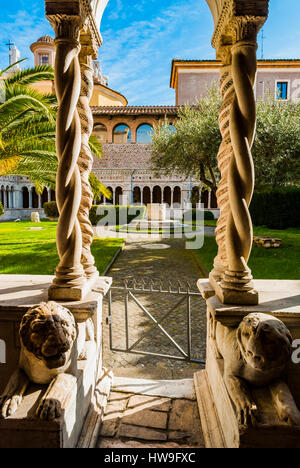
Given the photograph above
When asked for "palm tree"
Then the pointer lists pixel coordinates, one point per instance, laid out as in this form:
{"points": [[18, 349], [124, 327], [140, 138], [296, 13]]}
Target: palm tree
{"points": [[27, 128]]}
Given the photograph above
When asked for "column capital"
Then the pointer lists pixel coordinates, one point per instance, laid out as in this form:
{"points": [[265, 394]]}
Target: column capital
{"points": [[235, 21], [76, 19]]}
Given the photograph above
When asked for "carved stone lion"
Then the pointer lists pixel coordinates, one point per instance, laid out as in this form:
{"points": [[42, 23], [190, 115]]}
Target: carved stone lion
{"points": [[257, 353], [48, 356]]}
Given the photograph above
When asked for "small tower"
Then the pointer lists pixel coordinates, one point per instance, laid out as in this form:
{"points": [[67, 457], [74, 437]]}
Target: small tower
{"points": [[98, 77], [44, 51], [14, 56]]}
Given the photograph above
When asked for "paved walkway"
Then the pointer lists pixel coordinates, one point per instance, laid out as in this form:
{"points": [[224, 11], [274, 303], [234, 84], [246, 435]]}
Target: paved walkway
{"points": [[142, 421], [174, 264]]}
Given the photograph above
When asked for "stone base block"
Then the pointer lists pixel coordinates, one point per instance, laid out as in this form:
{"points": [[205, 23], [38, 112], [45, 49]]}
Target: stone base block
{"points": [[235, 296], [219, 421], [25, 430], [78, 293]]}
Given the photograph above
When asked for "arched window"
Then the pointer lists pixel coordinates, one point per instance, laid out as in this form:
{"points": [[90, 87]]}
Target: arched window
{"points": [[12, 191], [122, 134], [7, 197], [144, 134], [168, 196], [119, 193], [195, 196], [157, 194], [100, 131], [177, 196], [2, 195], [44, 196], [146, 196], [111, 200], [137, 195], [25, 194], [53, 198], [43, 59], [35, 199]]}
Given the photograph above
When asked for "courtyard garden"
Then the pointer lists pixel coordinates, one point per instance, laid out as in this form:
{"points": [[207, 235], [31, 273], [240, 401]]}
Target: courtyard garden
{"points": [[30, 249], [280, 263]]}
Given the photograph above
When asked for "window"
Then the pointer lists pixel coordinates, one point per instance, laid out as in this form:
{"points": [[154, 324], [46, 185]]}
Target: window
{"points": [[144, 134], [43, 59], [282, 90], [122, 134], [100, 132]]}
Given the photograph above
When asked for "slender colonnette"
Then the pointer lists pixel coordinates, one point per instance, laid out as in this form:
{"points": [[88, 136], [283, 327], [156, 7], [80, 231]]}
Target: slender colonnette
{"points": [[69, 273], [224, 158], [85, 163], [241, 169]]}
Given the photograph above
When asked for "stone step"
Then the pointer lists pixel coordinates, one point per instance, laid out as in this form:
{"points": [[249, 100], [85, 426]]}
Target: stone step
{"points": [[155, 373], [174, 389]]}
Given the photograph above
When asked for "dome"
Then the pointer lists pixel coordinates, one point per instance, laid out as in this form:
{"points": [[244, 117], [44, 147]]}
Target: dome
{"points": [[47, 39]]}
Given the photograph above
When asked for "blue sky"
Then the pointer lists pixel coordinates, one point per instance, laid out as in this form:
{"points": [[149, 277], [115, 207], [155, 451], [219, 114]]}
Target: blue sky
{"points": [[141, 37]]}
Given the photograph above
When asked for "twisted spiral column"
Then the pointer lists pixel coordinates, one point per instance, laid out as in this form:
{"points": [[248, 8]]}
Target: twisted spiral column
{"points": [[69, 272], [239, 233], [85, 164], [224, 156]]}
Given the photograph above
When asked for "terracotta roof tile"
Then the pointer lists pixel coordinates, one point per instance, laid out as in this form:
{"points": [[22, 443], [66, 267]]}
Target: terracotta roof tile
{"points": [[135, 110]]}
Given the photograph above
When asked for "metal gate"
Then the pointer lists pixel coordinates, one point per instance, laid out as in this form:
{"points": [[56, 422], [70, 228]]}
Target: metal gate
{"points": [[130, 289]]}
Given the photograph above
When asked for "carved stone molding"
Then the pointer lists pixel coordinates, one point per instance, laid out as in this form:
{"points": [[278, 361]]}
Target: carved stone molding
{"points": [[66, 14], [236, 20]]}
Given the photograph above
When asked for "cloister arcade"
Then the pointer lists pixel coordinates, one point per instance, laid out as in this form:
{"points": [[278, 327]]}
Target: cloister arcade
{"points": [[122, 133], [20, 197], [172, 196]]}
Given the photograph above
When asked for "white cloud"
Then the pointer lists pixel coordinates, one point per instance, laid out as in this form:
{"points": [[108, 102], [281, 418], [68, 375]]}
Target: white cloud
{"points": [[137, 57], [23, 28]]}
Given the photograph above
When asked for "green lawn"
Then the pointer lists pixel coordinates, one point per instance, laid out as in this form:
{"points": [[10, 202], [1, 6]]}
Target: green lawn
{"points": [[282, 263], [33, 252]]}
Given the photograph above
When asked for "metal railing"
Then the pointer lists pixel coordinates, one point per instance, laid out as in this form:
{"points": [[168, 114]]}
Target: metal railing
{"points": [[143, 285]]}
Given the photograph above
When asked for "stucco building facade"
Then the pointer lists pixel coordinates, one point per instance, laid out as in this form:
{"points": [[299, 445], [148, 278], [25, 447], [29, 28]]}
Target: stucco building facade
{"points": [[276, 79]]}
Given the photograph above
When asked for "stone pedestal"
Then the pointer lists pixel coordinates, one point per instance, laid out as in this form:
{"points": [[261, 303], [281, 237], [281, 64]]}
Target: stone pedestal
{"points": [[156, 212], [17, 295], [280, 299]]}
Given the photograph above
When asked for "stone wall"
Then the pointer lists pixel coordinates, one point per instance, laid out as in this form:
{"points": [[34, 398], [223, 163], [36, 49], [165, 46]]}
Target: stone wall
{"points": [[124, 156]]}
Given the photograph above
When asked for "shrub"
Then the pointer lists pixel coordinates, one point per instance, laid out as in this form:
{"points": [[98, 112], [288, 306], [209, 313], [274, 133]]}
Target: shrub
{"points": [[208, 215], [119, 214], [276, 208], [1, 209], [51, 210]]}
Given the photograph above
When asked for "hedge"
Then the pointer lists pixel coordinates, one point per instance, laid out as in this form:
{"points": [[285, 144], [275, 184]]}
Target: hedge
{"points": [[277, 208], [1, 209], [208, 215], [51, 210], [119, 214]]}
